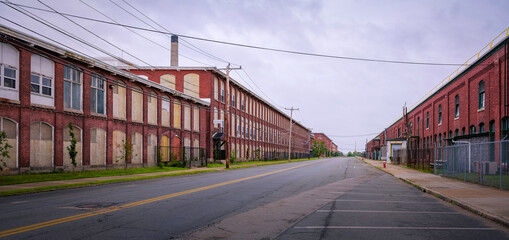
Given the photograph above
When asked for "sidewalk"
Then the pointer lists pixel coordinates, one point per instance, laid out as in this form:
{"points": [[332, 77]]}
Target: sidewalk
{"points": [[488, 202]]}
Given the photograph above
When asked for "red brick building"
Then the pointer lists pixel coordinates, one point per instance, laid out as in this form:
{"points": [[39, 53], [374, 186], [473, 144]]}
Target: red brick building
{"points": [[258, 129], [472, 106], [321, 137], [43, 88]]}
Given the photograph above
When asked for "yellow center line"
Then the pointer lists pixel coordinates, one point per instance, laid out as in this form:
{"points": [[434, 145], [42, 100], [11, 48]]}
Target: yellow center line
{"points": [[133, 204]]}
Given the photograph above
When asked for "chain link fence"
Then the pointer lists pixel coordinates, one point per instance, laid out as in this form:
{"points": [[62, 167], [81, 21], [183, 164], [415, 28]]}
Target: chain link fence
{"points": [[483, 163]]}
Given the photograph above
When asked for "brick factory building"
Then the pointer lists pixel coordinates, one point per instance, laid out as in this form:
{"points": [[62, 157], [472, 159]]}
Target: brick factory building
{"points": [[43, 88], [472, 105], [258, 130]]}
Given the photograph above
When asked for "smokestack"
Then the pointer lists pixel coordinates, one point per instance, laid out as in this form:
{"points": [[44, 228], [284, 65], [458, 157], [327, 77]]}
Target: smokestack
{"points": [[174, 56]]}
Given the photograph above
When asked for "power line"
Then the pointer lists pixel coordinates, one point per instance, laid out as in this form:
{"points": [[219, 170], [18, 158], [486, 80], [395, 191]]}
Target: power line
{"points": [[360, 135], [258, 47], [91, 32], [150, 40], [197, 49]]}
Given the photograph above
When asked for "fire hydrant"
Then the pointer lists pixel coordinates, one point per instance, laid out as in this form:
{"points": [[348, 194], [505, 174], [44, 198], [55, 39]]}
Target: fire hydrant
{"points": [[383, 163]]}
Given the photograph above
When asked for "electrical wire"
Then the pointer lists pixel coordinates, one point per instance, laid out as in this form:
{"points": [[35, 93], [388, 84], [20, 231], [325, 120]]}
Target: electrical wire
{"points": [[260, 47], [93, 33], [148, 39], [197, 49], [360, 135]]}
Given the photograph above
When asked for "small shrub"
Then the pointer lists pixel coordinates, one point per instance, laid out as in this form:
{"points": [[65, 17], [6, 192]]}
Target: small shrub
{"points": [[4, 150]]}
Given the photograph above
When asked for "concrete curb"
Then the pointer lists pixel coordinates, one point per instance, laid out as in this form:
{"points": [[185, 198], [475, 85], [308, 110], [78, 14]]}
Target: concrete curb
{"points": [[451, 200]]}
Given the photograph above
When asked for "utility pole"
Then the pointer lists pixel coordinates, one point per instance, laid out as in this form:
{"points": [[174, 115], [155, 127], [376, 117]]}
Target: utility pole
{"points": [[227, 114], [290, 138]]}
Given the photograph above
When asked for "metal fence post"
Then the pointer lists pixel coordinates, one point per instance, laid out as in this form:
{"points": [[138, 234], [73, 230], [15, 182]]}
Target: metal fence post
{"points": [[500, 164]]}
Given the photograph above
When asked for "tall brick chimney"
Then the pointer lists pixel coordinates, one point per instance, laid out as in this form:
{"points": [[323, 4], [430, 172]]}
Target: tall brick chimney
{"points": [[174, 55]]}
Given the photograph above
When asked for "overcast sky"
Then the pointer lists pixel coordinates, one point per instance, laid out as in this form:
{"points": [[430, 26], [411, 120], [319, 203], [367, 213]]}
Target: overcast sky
{"points": [[337, 97]]}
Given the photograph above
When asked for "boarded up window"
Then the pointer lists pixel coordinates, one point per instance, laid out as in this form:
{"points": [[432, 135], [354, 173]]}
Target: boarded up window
{"points": [[192, 85], [151, 149], [176, 114], [152, 108], [119, 100], [10, 129], [196, 119], [97, 147], [118, 141], [41, 145], [216, 92], [168, 81], [137, 142], [187, 117], [67, 142], [137, 105]]}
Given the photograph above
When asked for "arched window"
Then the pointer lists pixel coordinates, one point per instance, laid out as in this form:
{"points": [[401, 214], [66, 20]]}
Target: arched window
{"points": [[97, 147], [481, 94], [151, 149], [481, 127], [168, 81], [11, 131], [463, 131], [439, 114], [457, 106], [118, 143], [67, 142], [457, 132], [41, 145], [192, 85], [472, 129], [137, 150]]}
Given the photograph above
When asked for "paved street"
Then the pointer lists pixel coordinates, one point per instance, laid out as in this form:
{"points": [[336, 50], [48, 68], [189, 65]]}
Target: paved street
{"points": [[321, 199]]}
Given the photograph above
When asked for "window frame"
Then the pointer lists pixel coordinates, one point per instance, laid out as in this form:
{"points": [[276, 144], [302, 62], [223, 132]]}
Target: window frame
{"points": [[74, 82], [482, 94], [439, 114], [457, 106], [95, 78]]}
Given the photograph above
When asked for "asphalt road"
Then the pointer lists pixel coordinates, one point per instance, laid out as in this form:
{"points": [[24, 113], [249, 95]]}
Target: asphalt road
{"points": [[339, 198]]}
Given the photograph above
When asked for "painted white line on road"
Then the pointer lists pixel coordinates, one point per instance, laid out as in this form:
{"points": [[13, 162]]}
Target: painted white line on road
{"points": [[19, 202], [375, 201], [397, 228], [396, 195], [382, 211]]}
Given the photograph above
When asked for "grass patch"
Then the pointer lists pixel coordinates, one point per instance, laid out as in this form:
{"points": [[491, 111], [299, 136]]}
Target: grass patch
{"points": [[259, 163], [92, 183], [57, 176]]}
